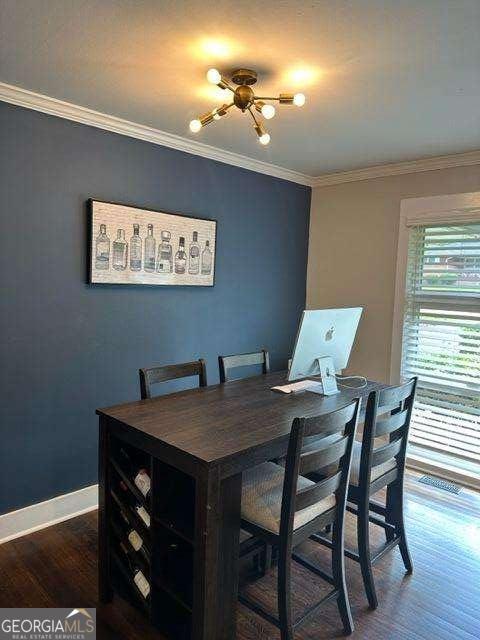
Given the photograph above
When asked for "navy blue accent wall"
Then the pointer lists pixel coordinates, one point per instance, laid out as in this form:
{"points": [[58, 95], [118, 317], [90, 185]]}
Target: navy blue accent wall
{"points": [[68, 347]]}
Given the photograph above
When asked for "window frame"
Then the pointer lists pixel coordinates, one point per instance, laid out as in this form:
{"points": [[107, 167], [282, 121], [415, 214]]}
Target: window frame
{"points": [[460, 207]]}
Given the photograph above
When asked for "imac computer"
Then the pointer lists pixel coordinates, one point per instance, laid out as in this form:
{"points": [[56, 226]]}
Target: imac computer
{"points": [[322, 348]]}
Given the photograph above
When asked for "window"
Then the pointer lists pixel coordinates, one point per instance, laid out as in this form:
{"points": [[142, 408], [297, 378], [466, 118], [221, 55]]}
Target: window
{"points": [[441, 337], [436, 331]]}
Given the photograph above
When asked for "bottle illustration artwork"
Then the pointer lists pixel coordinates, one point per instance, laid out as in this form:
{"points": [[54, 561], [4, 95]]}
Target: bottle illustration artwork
{"points": [[136, 249], [149, 256], [165, 254], [194, 255], [180, 257], [120, 251], [102, 249], [206, 259]]}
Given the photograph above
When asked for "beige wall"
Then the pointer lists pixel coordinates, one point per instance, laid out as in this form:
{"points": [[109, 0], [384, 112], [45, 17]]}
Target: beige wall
{"points": [[353, 251]]}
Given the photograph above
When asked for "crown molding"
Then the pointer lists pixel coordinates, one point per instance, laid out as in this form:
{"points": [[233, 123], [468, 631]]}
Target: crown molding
{"points": [[52, 106], [398, 168]]}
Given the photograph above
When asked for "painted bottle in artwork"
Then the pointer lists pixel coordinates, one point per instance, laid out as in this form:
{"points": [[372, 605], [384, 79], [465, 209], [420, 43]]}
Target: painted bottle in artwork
{"points": [[180, 257], [120, 251], [149, 256], [206, 259], [165, 254], [194, 255], [102, 249], [135, 249]]}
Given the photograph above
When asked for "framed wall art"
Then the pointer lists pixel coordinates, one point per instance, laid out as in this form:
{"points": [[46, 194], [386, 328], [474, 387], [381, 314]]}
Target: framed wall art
{"points": [[129, 245]]}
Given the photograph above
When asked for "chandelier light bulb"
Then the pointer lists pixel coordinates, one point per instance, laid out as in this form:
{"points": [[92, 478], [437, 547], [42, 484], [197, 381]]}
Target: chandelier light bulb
{"points": [[299, 99], [216, 115], [213, 76], [263, 136], [195, 126], [268, 111]]}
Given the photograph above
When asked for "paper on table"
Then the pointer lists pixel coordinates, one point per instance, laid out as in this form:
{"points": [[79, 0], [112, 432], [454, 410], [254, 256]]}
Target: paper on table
{"points": [[303, 385]]}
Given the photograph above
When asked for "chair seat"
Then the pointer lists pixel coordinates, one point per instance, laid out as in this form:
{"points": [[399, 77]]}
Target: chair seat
{"points": [[375, 473], [262, 498]]}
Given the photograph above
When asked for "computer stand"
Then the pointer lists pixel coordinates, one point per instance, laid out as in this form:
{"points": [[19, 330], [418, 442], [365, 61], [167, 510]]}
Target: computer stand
{"points": [[327, 375], [326, 387]]}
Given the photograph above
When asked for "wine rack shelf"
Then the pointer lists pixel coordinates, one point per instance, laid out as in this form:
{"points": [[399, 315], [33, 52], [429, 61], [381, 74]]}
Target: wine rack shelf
{"points": [[132, 488], [121, 582], [179, 529], [150, 540]]}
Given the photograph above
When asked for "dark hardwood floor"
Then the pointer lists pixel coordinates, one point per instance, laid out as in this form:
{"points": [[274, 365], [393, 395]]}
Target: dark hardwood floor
{"points": [[56, 567]]}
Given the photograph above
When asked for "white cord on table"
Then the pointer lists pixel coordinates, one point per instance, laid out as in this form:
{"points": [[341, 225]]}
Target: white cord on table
{"points": [[350, 386]]}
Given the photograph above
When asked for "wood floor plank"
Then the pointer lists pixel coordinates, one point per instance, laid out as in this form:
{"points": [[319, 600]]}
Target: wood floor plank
{"points": [[56, 567]]}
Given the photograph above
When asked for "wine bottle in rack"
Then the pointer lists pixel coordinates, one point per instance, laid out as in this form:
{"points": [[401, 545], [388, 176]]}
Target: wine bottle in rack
{"points": [[138, 508], [131, 534], [139, 579], [139, 475]]}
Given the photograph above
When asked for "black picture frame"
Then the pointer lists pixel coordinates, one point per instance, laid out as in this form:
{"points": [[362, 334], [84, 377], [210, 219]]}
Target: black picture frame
{"points": [[98, 214]]}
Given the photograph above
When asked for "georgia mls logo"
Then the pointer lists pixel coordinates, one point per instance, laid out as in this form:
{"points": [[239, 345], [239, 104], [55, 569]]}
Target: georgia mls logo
{"points": [[47, 624], [84, 612]]}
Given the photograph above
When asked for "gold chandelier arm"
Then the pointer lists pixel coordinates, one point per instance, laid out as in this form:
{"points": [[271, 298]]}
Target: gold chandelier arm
{"points": [[219, 112], [253, 116], [224, 84], [265, 98]]}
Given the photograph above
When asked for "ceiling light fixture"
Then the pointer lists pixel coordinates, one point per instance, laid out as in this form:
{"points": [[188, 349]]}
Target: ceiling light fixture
{"points": [[245, 99]]}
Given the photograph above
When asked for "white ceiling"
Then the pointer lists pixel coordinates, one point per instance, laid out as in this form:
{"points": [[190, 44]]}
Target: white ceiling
{"points": [[385, 80]]}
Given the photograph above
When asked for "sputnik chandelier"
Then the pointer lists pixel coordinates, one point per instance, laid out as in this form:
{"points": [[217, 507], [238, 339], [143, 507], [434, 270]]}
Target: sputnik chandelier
{"points": [[245, 99]]}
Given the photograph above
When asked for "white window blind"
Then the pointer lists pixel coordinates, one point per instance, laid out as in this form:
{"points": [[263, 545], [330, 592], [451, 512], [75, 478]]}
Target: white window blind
{"points": [[441, 337]]}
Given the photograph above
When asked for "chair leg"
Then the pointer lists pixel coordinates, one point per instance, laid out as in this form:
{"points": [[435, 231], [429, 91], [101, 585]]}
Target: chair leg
{"points": [[268, 558], [258, 564], [274, 556], [397, 505], [284, 594], [390, 515], [364, 552], [338, 572]]}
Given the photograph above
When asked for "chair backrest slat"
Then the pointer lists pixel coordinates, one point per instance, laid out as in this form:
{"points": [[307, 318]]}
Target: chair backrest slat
{"points": [[397, 403], [384, 426], [165, 373], [227, 363], [319, 458], [386, 452], [392, 396], [311, 495], [331, 422]]}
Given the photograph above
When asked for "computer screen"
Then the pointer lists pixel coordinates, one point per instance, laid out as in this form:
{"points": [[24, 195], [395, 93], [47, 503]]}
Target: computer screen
{"points": [[323, 332]]}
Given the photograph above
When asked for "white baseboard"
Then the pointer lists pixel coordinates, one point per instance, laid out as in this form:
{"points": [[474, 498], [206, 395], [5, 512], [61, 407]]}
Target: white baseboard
{"points": [[453, 474], [44, 514]]}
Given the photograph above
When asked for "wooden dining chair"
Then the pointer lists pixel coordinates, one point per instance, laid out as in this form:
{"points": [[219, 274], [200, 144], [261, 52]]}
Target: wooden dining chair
{"points": [[249, 545], [227, 363], [284, 508], [165, 373], [376, 465]]}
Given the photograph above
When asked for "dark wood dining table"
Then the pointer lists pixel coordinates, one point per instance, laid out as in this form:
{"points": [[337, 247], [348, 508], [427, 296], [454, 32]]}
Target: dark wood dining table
{"points": [[212, 434]]}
